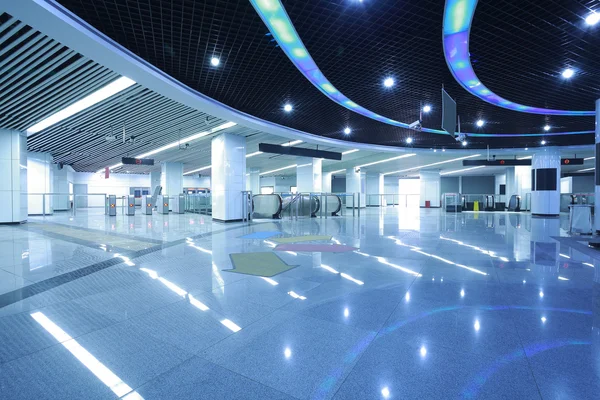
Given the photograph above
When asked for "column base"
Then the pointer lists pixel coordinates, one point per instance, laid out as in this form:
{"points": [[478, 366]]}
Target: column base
{"points": [[545, 215], [13, 223], [227, 221]]}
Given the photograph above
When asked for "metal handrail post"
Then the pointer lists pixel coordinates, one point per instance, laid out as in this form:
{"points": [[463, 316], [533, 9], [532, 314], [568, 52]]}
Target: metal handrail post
{"points": [[358, 196], [321, 203], [74, 211], [353, 205], [325, 206], [44, 205]]}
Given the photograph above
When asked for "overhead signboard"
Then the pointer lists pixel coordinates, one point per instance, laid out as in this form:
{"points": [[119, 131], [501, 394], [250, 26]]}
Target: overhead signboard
{"points": [[137, 161], [298, 151]]}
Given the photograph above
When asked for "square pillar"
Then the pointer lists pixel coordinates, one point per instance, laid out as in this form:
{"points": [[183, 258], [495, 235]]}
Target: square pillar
{"points": [[431, 188], [40, 179], [253, 181], [13, 180], [154, 180], [356, 182], [374, 186], [308, 175], [228, 179], [171, 178], [326, 185]]}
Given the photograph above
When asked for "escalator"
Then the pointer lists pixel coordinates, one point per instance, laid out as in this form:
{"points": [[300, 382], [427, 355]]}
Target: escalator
{"points": [[275, 206]]}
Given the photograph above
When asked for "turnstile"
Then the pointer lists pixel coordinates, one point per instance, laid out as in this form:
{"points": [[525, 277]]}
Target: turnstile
{"points": [[147, 204], [179, 204], [110, 208], [162, 204], [130, 205]]}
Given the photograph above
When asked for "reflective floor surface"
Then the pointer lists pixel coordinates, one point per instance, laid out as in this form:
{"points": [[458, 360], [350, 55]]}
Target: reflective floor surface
{"points": [[397, 304]]}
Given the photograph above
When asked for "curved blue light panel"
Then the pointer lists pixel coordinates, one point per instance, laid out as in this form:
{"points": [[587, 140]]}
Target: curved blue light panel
{"points": [[277, 20], [458, 17]]}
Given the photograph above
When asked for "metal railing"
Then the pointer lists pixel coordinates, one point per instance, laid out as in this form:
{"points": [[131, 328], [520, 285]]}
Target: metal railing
{"points": [[567, 199], [71, 200], [247, 209], [198, 203]]}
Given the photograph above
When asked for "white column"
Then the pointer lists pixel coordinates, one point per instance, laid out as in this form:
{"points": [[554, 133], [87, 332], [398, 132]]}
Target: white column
{"points": [[545, 196], [431, 186], [356, 183], [374, 186], [510, 183], [154, 179], [253, 181], [326, 185], [459, 184], [13, 179], [499, 180], [597, 188], [61, 185], [308, 175], [40, 179], [171, 178], [228, 180]]}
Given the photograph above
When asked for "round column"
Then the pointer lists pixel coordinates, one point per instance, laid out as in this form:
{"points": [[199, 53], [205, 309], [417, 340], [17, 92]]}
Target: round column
{"points": [[545, 182]]}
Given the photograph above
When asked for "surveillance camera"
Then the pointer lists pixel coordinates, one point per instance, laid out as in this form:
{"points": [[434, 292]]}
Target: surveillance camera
{"points": [[357, 170], [415, 125], [461, 137]]}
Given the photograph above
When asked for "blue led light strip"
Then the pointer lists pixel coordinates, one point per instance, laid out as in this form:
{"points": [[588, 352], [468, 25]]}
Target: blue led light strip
{"points": [[458, 17], [276, 19]]}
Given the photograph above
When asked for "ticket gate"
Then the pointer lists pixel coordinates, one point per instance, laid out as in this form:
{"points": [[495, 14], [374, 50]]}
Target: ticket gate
{"points": [[179, 204], [147, 205], [130, 205], [162, 204], [110, 208]]}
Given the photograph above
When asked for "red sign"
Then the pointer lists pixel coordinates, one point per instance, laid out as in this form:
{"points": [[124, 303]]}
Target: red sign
{"points": [[502, 162], [567, 161], [106, 173]]}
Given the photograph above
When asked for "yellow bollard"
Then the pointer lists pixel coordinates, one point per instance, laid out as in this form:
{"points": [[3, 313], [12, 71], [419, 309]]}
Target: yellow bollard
{"points": [[476, 206]]}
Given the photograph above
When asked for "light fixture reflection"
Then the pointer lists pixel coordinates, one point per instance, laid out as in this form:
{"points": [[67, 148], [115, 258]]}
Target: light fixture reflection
{"points": [[271, 281], [346, 312], [477, 326], [346, 276], [100, 370], [231, 325], [544, 319], [462, 293], [385, 392], [296, 295], [541, 294], [423, 351], [287, 352]]}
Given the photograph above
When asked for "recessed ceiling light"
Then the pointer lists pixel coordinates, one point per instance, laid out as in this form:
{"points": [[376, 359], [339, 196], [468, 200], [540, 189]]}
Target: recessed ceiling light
{"points": [[409, 140], [347, 130], [547, 128], [287, 107], [568, 73], [215, 61], [427, 108], [480, 123], [464, 143], [389, 82], [543, 142], [592, 19]]}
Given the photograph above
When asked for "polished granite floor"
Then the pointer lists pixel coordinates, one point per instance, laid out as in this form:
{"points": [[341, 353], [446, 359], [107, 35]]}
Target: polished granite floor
{"points": [[429, 305]]}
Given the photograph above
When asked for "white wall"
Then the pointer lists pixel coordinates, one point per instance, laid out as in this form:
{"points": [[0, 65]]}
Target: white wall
{"points": [[279, 183], [117, 184], [356, 183], [193, 181], [62, 178], [499, 180]]}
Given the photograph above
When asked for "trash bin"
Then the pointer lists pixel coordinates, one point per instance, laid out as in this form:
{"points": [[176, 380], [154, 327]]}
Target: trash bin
{"points": [[427, 204]]}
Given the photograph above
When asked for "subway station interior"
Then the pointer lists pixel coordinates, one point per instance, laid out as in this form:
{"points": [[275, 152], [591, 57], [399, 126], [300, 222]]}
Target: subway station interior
{"points": [[286, 199]]}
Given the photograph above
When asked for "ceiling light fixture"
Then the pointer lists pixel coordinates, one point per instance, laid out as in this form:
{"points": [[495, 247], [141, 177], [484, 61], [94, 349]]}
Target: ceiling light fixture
{"points": [[568, 73], [288, 107], [464, 143], [592, 19], [388, 82], [589, 158], [347, 130], [177, 143], [387, 160], [198, 170], [349, 152], [292, 143], [586, 169], [547, 128], [432, 164], [409, 140], [214, 61], [462, 170], [480, 123], [337, 171], [253, 154], [427, 108], [278, 169], [543, 142], [101, 94], [525, 158]]}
